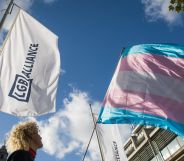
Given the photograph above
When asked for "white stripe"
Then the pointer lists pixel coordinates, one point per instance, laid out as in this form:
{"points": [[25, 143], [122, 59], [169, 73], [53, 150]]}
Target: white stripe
{"points": [[152, 84]]}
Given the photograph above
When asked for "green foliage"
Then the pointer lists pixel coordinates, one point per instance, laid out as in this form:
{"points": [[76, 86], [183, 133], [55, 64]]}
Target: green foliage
{"points": [[176, 5]]}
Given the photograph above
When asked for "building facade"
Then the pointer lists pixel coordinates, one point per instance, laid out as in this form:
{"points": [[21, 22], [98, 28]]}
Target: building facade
{"points": [[149, 143]]}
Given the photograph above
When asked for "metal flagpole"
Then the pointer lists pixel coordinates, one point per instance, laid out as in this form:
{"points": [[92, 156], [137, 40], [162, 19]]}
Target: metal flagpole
{"points": [[5, 14], [9, 32], [95, 123], [89, 143]]}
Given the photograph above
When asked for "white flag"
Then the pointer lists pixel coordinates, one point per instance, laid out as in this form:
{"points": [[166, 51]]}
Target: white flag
{"points": [[29, 68], [110, 142]]}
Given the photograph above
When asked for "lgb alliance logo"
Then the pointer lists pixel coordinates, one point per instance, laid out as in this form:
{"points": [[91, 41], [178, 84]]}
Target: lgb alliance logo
{"points": [[21, 88]]}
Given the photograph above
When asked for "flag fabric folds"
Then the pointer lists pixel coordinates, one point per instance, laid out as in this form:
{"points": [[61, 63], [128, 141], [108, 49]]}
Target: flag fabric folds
{"points": [[147, 88], [110, 142], [29, 68]]}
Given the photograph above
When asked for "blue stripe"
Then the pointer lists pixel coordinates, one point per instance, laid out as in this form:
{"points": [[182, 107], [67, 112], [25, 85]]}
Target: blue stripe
{"points": [[121, 116], [169, 50]]}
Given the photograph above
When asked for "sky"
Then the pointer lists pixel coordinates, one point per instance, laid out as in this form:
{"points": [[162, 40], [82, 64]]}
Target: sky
{"points": [[91, 37]]}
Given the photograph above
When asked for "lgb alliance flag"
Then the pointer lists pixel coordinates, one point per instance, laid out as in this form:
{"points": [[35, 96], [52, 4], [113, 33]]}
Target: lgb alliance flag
{"points": [[29, 68], [110, 142], [147, 88]]}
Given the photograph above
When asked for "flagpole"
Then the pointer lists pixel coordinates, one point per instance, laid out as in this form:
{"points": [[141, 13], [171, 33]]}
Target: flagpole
{"points": [[95, 123], [89, 143], [9, 32], [5, 14]]}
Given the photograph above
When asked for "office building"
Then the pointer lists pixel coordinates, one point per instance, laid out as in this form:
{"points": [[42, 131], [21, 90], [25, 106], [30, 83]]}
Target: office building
{"points": [[149, 143]]}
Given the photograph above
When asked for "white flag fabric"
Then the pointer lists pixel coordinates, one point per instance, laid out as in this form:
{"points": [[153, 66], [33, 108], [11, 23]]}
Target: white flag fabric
{"points": [[110, 142], [29, 68]]}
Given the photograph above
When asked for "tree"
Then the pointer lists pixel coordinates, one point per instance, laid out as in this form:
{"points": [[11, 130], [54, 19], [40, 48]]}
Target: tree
{"points": [[176, 5]]}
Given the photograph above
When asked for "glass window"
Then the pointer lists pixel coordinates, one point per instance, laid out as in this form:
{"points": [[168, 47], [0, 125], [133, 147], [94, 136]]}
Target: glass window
{"points": [[156, 158], [180, 140], [173, 146], [140, 137], [165, 153]]}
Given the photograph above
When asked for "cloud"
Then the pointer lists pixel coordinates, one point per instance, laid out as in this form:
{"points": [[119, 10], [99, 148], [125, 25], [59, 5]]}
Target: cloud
{"points": [[2, 5], [158, 10], [69, 129], [25, 4], [62, 71], [49, 1]]}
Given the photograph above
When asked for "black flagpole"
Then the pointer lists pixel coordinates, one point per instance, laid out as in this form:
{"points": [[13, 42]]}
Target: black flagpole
{"points": [[5, 14]]}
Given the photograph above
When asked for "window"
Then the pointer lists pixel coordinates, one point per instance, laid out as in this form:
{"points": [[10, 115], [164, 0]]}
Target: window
{"points": [[165, 153], [173, 146], [156, 158], [180, 140], [140, 137], [129, 149]]}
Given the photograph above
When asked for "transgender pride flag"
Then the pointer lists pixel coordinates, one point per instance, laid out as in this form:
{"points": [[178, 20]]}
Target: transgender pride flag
{"points": [[147, 88]]}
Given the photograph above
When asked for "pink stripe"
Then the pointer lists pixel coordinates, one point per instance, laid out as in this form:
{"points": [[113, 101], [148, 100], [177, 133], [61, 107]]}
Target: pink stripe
{"points": [[168, 66], [146, 103]]}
